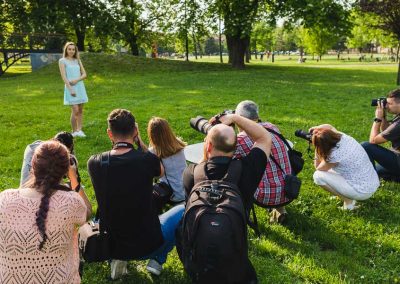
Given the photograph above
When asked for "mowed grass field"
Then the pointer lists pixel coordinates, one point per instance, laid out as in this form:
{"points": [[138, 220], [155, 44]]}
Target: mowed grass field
{"points": [[318, 243]]}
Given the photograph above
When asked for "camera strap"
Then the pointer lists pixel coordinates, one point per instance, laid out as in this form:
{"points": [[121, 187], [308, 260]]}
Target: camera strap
{"points": [[122, 145]]}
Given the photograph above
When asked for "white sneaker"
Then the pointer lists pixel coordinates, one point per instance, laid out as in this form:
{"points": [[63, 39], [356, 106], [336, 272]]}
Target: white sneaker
{"points": [[349, 207], [80, 133], [74, 134], [154, 267], [118, 268]]}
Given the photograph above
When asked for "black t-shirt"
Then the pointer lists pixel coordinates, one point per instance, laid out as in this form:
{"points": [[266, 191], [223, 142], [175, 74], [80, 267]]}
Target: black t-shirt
{"points": [[253, 167], [392, 133], [133, 223]]}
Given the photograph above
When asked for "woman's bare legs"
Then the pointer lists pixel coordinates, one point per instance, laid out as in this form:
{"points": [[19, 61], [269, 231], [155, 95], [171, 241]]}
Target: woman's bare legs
{"points": [[79, 118], [76, 117], [74, 111]]}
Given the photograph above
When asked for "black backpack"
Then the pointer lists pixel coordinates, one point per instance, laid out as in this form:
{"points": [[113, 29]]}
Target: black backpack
{"points": [[214, 232]]}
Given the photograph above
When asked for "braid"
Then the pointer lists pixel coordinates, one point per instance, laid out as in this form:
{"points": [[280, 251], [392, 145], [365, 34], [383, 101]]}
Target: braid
{"points": [[49, 164], [41, 216]]}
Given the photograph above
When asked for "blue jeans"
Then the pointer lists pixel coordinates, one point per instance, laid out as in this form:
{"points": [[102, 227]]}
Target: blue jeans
{"points": [[169, 222], [388, 165]]}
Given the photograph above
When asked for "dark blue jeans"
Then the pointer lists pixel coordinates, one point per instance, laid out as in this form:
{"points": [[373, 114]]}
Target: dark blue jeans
{"points": [[387, 161]]}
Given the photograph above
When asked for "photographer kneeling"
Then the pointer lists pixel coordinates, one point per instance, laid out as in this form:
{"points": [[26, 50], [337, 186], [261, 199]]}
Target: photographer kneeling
{"points": [[342, 166], [388, 160]]}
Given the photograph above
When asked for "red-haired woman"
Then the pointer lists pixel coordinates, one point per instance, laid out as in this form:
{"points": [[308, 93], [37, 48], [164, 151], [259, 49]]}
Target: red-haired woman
{"points": [[342, 166], [38, 222]]}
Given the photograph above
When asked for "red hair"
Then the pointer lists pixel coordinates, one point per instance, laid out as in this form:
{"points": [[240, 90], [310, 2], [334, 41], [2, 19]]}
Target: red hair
{"points": [[324, 140]]}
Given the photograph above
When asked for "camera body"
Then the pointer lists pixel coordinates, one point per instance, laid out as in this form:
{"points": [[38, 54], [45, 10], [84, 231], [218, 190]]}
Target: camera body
{"points": [[374, 102], [303, 134], [202, 125]]}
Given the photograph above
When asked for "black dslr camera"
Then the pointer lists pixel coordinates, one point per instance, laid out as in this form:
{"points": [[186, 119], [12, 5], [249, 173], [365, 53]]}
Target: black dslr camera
{"points": [[374, 102], [303, 134], [202, 125]]}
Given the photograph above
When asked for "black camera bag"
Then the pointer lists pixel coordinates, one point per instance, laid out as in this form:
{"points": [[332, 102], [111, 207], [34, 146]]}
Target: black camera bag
{"points": [[292, 182], [295, 157], [97, 247]]}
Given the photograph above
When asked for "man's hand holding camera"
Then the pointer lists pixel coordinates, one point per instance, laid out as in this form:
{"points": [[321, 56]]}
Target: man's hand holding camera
{"points": [[380, 112]]}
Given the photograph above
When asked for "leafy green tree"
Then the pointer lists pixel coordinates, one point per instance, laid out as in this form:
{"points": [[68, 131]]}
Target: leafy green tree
{"points": [[319, 40], [136, 19], [388, 13], [211, 46]]}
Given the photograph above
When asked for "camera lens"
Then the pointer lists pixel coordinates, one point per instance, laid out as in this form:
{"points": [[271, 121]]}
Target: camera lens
{"points": [[200, 124], [303, 134]]}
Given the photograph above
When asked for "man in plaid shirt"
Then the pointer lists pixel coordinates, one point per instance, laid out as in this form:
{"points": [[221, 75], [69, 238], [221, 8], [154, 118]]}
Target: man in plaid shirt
{"points": [[270, 192]]}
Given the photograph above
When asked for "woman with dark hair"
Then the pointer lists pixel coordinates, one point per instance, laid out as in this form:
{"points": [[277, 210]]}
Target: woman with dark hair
{"points": [[63, 137], [169, 149], [342, 166], [38, 221], [73, 74]]}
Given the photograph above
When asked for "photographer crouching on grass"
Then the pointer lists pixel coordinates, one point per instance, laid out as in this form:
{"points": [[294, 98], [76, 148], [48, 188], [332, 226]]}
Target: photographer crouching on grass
{"points": [[342, 166], [382, 130], [270, 192], [213, 246]]}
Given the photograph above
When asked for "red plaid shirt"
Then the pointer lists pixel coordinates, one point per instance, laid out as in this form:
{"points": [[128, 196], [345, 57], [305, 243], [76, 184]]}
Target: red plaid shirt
{"points": [[270, 191]]}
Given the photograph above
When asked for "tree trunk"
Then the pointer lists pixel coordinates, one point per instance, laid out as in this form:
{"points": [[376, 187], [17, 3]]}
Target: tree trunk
{"points": [[80, 43], [247, 53], [272, 56], [220, 41], [237, 49], [397, 54], [134, 45], [187, 47], [229, 45], [301, 54], [398, 75], [195, 46]]}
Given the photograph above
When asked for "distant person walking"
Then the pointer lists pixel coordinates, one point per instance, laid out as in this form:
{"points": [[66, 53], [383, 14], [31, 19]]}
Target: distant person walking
{"points": [[73, 74]]}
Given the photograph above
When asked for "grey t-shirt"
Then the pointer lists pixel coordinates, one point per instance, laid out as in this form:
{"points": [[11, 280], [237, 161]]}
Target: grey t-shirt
{"points": [[392, 134], [174, 166], [26, 164]]}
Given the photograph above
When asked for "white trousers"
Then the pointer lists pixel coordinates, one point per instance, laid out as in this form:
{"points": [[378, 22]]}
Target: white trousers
{"points": [[339, 184]]}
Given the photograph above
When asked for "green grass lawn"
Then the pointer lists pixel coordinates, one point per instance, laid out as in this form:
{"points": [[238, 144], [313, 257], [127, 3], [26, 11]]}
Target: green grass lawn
{"points": [[319, 243]]}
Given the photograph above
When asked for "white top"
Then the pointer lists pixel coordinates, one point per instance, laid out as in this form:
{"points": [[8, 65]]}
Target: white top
{"points": [[354, 165]]}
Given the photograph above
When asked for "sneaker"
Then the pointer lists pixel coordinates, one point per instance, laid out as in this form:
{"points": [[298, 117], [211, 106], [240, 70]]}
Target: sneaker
{"points": [[118, 268], [349, 207], [80, 133], [74, 134], [278, 217], [154, 267]]}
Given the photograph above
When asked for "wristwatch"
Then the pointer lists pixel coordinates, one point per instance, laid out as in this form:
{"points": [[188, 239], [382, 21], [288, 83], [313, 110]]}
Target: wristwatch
{"points": [[377, 119]]}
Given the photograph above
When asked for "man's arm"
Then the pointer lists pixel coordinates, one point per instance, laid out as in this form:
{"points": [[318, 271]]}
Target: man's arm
{"points": [[257, 133], [374, 136]]}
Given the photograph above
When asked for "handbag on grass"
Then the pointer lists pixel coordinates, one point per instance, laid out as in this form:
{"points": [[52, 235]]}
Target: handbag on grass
{"points": [[93, 237], [162, 193]]}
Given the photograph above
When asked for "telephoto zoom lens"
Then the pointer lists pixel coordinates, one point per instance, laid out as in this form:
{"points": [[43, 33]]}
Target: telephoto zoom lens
{"points": [[200, 124]]}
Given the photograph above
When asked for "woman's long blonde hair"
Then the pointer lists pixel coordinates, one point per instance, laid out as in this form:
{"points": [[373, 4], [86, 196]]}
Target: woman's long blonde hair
{"points": [[163, 139], [76, 54]]}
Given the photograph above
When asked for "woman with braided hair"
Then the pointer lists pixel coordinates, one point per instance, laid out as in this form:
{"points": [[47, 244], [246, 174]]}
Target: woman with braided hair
{"points": [[38, 240]]}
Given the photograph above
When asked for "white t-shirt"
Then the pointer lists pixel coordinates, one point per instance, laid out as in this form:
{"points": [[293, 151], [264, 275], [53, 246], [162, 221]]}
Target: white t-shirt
{"points": [[354, 165]]}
